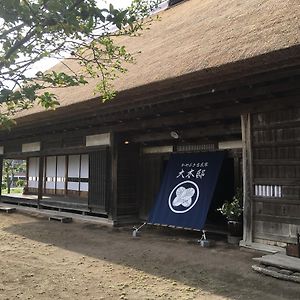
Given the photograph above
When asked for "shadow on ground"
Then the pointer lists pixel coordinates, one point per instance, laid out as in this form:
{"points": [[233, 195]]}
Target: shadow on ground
{"points": [[223, 269]]}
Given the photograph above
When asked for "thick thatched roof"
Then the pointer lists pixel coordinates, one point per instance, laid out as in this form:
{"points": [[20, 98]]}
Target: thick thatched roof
{"points": [[198, 35]]}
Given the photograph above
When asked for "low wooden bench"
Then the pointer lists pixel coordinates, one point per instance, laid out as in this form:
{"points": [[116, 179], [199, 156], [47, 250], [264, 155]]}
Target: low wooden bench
{"points": [[8, 210], [61, 219]]}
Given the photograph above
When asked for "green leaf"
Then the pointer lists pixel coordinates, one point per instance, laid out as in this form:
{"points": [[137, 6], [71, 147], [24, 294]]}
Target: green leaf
{"points": [[33, 30]]}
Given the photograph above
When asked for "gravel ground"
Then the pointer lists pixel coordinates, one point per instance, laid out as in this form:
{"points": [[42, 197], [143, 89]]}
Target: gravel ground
{"points": [[41, 259]]}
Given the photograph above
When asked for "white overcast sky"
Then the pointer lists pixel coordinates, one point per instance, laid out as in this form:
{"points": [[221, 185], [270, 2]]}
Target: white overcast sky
{"points": [[118, 3]]}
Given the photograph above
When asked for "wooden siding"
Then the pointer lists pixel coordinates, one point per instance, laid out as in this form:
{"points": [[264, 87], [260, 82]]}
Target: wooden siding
{"points": [[98, 180], [53, 143], [127, 178], [276, 163], [74, 141], [12, 147], [1, 170], [149, 181], [59, 144]]}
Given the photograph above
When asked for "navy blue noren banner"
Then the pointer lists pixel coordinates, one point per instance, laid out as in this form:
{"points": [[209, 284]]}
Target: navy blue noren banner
{"points": [[187, 189]]}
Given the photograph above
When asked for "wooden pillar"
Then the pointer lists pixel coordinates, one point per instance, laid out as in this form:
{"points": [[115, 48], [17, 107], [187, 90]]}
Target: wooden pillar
{"points": [[45, 175], [66, 174], [40, 183], [1, 170], [55, 178], [79, 178], [113, 199], [27, 175], [247, 179]]}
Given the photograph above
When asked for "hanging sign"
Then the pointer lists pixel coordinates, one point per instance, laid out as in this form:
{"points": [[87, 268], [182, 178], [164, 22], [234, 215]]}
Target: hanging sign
{"points": [[187, 190]]}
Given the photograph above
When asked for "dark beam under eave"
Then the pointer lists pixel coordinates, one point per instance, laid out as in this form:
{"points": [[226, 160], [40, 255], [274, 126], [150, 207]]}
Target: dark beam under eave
{"points": [[228, 109], [194, 119], [175, 100], [195, 132]]}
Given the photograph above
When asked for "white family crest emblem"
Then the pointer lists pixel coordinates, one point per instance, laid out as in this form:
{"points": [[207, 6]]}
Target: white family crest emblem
{"points": [[183, 197]]}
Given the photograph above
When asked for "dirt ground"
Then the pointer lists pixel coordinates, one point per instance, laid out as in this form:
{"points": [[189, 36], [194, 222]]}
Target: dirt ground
{"points": [[41, 259]]}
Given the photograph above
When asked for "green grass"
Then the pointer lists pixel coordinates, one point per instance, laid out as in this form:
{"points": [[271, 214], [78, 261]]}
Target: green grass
{"points": [[17, 190]]}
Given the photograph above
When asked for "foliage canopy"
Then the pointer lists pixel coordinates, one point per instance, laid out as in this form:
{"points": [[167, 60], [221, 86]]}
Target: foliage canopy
{"points": [[10, 168], [82, 30]]}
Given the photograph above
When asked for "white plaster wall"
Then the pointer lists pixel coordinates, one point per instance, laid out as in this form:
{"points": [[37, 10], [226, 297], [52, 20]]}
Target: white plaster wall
{"points": [[33, 172], [61, 172], [31, 147], [73, 186], [84, 186], [84, 166], [73, 168], [73, 171], [51, 171], [98, 139]]}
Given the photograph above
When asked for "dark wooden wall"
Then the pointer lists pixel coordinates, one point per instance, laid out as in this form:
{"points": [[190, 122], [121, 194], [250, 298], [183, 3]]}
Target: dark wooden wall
{"points": [[99, 180], [151, 172], [276, 164], [127, 178], [1, 167]]}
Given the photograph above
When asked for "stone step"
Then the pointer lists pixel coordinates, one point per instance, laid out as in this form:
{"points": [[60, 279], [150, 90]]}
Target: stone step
{"points": [[277, 273], [281, 261]]}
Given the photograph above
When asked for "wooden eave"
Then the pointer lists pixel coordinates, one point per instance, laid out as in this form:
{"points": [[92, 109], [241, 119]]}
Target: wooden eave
{"points": [[215, 93]]}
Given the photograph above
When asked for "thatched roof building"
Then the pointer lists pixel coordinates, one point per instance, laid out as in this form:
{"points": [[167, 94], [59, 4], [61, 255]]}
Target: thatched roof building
{"points": [[211, 76], [194, 41]]}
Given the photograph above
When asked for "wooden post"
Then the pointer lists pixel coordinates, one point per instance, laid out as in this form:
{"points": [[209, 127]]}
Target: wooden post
{"points": [[113, 199], [40, 183], [247, 179], [45, 175], [27, 175], [55, 178], [79, 175], [1, 170], [66, 174]]}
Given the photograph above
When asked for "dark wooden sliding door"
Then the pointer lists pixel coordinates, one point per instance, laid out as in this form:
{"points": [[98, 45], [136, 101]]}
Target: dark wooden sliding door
{"points": [[98, 179]]}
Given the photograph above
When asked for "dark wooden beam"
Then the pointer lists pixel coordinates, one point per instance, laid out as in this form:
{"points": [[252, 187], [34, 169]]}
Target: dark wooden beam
{"points": [[133, 124], [66, 174], [247, 180], [113, 203], [45, 173], [189, 99], [229, 111], [40, 182], [55, 178], [178, 100], [79, 183], [27, 172], [197, 132]]}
